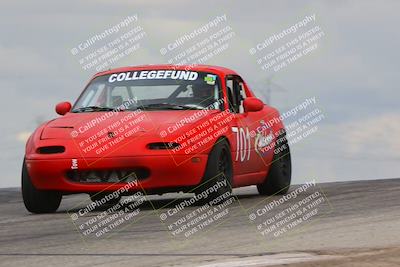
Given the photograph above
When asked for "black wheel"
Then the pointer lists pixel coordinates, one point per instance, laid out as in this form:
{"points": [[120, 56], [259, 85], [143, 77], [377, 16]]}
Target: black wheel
{"points": [[38, 201], [280, 173], [101, 196], [218, 174]]}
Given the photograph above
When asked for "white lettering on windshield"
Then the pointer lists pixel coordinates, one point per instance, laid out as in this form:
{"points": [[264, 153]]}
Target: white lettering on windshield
{"points": [[154, 74]]}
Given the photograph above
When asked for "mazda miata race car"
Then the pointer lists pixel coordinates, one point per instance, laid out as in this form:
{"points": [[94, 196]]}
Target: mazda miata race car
{"points": [[157, 129]]}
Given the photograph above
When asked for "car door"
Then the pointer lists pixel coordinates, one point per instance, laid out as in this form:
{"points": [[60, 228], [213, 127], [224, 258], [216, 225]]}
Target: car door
{"points": [[244, 130]]}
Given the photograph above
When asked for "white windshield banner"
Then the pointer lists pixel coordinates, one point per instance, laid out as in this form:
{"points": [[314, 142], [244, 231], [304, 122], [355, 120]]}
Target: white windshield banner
{"points": [[153, 75]]}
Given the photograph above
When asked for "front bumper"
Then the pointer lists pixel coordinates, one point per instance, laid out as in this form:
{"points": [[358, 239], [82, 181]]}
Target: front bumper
{"points": [[165, 172]]}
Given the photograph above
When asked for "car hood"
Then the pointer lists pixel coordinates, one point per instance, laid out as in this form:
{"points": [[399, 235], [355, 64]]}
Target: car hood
{"points": [[84, 125]]}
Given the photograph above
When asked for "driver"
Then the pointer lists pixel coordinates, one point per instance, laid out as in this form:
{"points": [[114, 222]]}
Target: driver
{"points": [[203, 92]]}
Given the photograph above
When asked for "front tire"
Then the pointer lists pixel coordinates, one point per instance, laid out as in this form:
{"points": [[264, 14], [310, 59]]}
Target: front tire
{"points": [[280, 173], [218, 174], [38, 201]]}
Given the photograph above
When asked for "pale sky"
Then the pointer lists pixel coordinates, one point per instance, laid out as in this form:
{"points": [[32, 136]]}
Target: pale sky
{"points": [[353, 74]]}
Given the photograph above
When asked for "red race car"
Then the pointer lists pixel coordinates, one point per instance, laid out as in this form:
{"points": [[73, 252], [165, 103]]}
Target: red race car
{"points": [[157, 129]]}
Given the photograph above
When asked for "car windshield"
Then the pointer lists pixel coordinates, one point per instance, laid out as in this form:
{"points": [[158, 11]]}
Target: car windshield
{"points": [[151, 90]]}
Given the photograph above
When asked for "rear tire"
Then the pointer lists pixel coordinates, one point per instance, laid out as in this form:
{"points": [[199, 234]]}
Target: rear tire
{"points": [[219, 172], [280, 173], [38, 201]]}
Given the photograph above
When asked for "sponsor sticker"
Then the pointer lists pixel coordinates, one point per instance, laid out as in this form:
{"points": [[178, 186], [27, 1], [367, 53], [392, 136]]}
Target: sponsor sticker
{"points": [[153, 75], [263, 139], [210, 79]]}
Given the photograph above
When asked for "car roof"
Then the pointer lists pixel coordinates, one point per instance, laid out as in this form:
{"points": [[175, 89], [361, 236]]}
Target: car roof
{"points": [[205, 68]]}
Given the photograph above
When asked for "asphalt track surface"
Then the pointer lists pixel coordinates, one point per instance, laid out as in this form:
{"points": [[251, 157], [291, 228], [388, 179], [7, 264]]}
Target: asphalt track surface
{"points": [[356, 224]]}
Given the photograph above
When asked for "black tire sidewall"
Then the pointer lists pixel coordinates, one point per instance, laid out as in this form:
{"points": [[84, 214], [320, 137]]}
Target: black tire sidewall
{"points": [[37, 201], [276, 182], [212, 175]]}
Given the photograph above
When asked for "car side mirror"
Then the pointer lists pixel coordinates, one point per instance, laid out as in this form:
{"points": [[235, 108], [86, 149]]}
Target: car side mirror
{"points": [[252, 104], [63, 107]]}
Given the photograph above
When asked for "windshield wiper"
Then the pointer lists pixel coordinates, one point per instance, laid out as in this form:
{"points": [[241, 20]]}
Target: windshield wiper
{"points": [[162, 106], [92, 109]]}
